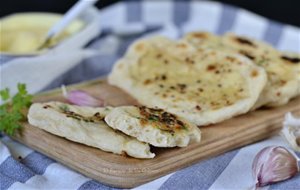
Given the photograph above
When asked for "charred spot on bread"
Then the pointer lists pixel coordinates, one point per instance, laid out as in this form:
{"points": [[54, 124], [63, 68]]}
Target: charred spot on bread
{"points": [[70, 114], [158, 56], [97, 114], [189, 60], [245, 41], [47, 106], [181, 86], [147, 81], [294, 60], [247, 54], [230, 58], [199, 35], [210, 67], [198, 108], [254, 73], [283, 82], [200, 89], [163, 120]]}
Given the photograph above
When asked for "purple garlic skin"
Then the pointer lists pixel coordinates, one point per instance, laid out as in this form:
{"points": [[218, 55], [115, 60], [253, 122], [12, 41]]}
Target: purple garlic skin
{"points": [[81, 98], [273, 164]]}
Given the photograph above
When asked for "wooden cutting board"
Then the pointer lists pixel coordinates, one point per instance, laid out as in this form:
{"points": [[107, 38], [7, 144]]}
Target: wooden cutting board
{"points": [[126, 172]]}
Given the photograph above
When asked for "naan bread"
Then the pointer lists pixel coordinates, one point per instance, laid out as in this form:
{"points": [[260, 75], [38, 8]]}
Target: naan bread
{"points": [[293, 60], [282, 82], [85, 125], [153, 126], [203, 87], [282, 78]]}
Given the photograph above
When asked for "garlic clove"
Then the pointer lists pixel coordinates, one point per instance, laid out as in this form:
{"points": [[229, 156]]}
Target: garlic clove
{"points": [[273, 164], [82, 98], [291, 131]]}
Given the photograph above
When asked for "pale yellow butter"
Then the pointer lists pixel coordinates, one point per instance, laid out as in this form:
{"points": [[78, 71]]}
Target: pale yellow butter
{"points": [[23, 33]]}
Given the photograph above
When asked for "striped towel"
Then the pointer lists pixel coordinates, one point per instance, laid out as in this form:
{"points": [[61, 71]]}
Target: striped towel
{"points": [[122, 23]]}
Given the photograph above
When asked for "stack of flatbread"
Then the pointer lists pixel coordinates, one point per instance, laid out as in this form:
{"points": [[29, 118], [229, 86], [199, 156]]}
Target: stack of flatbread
{"points": [[122, 130], [206, 78]]}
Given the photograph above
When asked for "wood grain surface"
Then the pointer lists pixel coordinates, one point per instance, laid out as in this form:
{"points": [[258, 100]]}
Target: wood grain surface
{"points": [[126, 172]]}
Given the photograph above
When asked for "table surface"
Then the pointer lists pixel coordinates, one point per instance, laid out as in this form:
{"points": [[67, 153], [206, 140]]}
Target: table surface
{"points": [[21, 167]]}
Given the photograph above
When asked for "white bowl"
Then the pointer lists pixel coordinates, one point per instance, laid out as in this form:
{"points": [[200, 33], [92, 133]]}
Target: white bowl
{"points": [[78, 39]]}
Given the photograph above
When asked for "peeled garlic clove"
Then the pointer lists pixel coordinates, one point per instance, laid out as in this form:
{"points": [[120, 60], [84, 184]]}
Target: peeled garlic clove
{"points": [[81, 98], [273, 164], [291, 131]]}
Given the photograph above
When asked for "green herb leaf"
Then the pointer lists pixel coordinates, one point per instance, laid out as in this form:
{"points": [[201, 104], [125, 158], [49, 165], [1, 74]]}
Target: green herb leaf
{"points": [[153, 118], [4, 94], [11, 112], [64, 108], [184, 127], [261, 61]]}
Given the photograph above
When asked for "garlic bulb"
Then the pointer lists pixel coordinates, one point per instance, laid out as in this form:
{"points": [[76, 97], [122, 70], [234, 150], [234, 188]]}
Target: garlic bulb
{"points": [[273, 164], [291, 131], [81, 98]]}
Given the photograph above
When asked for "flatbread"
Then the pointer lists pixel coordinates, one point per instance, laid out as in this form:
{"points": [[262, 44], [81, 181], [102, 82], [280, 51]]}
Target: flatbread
{"points": [[153, 126], [282, 82], [85, 125], [282, 79], [203, 87], [292, 60]]}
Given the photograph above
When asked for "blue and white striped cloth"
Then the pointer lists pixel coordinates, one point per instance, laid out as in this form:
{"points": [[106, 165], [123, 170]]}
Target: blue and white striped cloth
{"points": [[23, 168]]}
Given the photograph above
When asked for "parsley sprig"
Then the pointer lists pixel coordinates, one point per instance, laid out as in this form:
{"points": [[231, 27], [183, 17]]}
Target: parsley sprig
{"points": [[11, 112]]}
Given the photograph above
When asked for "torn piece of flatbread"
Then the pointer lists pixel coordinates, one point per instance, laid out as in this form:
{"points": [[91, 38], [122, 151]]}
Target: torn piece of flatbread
{"points": [[203, 87], [85, 125], [154, 126], [282, 81]]}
